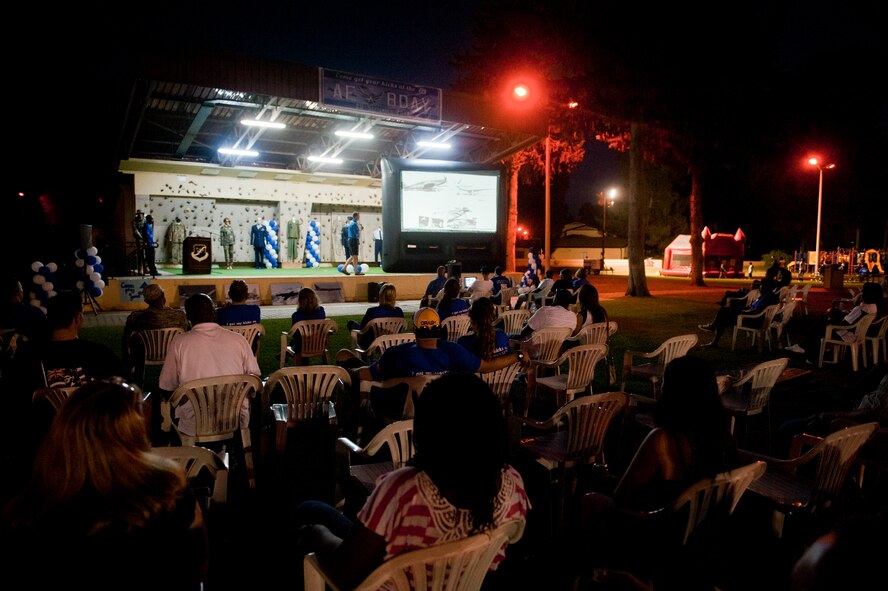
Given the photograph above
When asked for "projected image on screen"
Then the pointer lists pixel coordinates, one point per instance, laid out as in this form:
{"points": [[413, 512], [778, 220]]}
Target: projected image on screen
{"points": [[444, 201]]}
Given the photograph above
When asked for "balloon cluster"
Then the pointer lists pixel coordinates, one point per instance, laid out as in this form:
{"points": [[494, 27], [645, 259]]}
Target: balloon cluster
{"points": [[88, 261], [271, 247], [363, 268], [313, 244], [534, 262], [44, 283]]}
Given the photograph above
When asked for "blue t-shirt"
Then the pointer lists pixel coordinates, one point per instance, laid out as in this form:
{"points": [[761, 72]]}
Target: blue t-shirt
{"points": [[503, 346], [354, 230], [435, 285], [381, 312], [409, 359], [238, 315], [457, 307], [318, 314], [499, 282]]}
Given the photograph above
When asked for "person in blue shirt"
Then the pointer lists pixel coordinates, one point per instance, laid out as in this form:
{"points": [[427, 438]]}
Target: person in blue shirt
{"points": [[387, 308], [308, 308], [499, 281], [150, 245], [451, 304], [486, 340], [434, 286], [727, 315], [238, 312], [354, 242]]}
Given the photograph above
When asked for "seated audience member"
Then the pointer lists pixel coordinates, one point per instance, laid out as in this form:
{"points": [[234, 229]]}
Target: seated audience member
{"points": [[307, 308], [580, 279], [552, 316], [691, 440], [736, 294], [452, 488], [69, 360], [533, 296], [238, 312], [118, 516], [450, 303], [157, 315], [499, 282], [591, 311], [871, 302], [485, 340], [872, 406], [482, 287], [387, 308], [435, 287], [25, 319], [727, 315], [205, 351], [564, 281]]}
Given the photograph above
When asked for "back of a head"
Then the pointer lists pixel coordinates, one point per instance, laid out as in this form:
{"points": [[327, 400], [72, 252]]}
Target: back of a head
{"points": [[550, 273], [153, 295], [689, 393], [442, 270], [498, 271], [482, 312], [871, 293], [588, 296], [485, 271], [62, 309], [563, 298], [426, 324], [451, 288], [388, 295], [200, 308], [461, 441], [238, 291], [307, 300]]}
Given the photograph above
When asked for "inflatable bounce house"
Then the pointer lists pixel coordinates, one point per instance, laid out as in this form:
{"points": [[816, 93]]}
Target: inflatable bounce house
{"points": [[718, 249]]}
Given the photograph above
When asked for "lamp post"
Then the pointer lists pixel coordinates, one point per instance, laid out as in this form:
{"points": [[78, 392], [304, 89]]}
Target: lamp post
{"points": [[816, 162], [606, 200]]}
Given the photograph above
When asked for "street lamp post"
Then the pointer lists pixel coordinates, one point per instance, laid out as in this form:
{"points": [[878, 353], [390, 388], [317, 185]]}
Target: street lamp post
{"points": [[816, 162], [606, 199]]}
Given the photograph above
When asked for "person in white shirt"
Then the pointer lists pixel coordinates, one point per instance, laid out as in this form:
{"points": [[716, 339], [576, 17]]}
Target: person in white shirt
{"points": [[205, 351], [482, 287], [552, 316], [377, 244]]}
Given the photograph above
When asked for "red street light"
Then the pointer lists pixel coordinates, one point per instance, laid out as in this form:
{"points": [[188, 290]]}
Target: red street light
{"points": [[816, 162]]}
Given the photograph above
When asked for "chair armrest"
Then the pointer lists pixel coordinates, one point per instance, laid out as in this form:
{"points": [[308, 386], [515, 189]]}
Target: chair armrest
{"points": [[801, 443], [347, 445], [549, 423], [628, 357], [742, 317], [313, 576], [829, 333]]}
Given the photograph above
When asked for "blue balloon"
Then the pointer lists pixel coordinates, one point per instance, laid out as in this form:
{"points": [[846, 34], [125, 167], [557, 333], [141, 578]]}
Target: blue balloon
{"points": [[98, 268], [90, 260], [95, 292]]}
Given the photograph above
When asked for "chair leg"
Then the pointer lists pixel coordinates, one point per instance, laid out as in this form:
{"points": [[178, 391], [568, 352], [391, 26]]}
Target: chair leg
{"points": [[248, 457]]}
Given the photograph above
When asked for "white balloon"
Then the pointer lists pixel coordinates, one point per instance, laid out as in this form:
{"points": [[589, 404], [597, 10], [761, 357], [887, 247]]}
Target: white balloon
{"points": [[79, 284], [91, 251], [98, 260], [48, 286], [89, 269], [95, 277], [350, 269], [79, 262], [36, 266], [52, 267], [100, 284], [39, 279]]}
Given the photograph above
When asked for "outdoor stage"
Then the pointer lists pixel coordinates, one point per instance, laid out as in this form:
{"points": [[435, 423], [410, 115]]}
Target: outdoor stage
{"points": [[124, 293]]}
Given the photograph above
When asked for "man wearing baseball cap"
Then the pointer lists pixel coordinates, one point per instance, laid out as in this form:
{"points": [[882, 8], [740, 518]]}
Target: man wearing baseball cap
{"points": [[157, 315]]}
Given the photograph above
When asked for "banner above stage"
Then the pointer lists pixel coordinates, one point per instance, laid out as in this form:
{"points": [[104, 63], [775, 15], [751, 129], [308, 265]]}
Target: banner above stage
{"points": [[376, 96]]}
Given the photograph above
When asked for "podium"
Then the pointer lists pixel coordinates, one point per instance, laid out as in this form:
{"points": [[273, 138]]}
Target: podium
{"points": [[197, 256]]}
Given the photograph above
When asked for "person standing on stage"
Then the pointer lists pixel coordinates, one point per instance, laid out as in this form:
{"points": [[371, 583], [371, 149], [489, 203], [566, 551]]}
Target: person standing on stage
{"points": [[139, 238], [150, 245], [259, 239], [377, 245], [354, 241], [226, 237], [343, 238]]}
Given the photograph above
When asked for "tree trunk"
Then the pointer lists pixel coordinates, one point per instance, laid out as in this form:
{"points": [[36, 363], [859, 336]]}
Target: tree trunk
{"points": [[512, 223], [696, 228], [637, 285]]}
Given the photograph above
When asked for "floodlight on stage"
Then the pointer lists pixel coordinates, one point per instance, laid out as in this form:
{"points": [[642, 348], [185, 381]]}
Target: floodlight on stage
{"points": [[238, 152], [261, 123]]}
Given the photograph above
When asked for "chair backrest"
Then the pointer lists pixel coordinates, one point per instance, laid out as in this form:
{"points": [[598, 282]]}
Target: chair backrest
{"points": [[594, 334], [581, 363], [56, 396], [381, 326], [545, 343], [398, 437], [154, 343], [456, 326], [586, 420], [787, 309], [837, 450], [195, 459], [217, 403], [501, 382], [460, 565], [761, 380], [381, 343], [612, 328], [416, 385], [674, 347], [718, 495], [512, 321], [251, 332], [861, 327], [314, 335], [307, 389], [506, 294]]}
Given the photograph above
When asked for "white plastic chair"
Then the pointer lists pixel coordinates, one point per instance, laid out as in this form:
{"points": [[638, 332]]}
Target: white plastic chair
{"points": [[377, 327], [756, 326], [193, 460], [314, 335], [456, 326], [801, 297], [777, 327], [460, 565], [396, 438], [383, 342], [876, 335], [501, 382], [252, 332], [512, 321], [653, 370], [751, 394], [842, 338], [581, 362], [152, 346]]}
